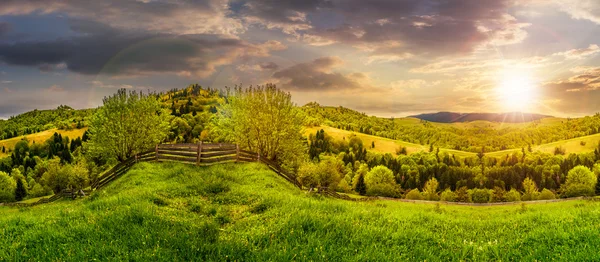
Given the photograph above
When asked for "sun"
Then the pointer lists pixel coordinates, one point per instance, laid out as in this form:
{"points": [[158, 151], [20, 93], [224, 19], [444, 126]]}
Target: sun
{"points": [[516, 91]]}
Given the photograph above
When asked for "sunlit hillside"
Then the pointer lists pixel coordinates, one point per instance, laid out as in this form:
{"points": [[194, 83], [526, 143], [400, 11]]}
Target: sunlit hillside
{"points": [[38, 138]]}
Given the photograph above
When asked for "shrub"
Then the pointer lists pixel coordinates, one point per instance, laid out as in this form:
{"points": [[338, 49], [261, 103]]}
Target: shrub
{"points": [[462, 195], [530, 190], [498, 194], [581, 181], [559, 150], [480, 195], [512, 196], [7, 187], [430, 190], [546, 195], [385, 190], [414, 194], [582, 143], [448, 196], [323, 174], [343, 186]]}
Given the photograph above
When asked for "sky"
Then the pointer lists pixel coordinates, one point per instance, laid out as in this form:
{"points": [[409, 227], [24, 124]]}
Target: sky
{"points": [[388, 58]]}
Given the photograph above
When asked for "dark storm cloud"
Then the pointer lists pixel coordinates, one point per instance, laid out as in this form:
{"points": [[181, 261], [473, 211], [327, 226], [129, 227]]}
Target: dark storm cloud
{"points": [[104, 50], [317, 75], [4, 28]]}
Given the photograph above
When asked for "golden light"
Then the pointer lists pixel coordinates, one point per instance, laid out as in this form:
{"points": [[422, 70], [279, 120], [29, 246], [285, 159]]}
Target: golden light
{"points": [[516, 91]]}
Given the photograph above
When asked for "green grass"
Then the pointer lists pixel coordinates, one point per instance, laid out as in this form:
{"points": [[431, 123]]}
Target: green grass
{"points": [[571, 145], [244, 212], [40, 137]]}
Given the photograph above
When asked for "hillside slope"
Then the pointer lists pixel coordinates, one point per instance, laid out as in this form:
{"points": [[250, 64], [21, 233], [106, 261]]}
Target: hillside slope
{"points": [[452, 117], [40, 137], [244, 212]]}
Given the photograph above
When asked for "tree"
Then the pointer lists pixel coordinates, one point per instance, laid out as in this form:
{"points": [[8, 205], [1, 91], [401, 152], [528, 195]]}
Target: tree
{"points": [[597, 172], [128, 123], [379, 175], [546, 195], [263, 119], [512, 196], [361, 187], [448, 196], [7, 187], [414, 195], [530, 190], [20, 190], [430, 190], [581, 181]]}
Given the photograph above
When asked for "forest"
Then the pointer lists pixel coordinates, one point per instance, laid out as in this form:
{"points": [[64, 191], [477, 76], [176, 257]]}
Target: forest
{"points": [[131, 122]]}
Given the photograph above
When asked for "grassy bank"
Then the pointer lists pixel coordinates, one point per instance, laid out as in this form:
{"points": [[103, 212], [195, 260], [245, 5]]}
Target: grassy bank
{"points": [[245, 212], [40, 137]]}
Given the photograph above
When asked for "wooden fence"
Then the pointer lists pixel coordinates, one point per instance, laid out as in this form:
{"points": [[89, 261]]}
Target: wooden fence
{"points": [[197, 154]]}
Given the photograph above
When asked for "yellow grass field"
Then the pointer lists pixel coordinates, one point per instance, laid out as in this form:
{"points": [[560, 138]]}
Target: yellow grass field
{"points": [[39, 138], [571, 146], [382, 145]]}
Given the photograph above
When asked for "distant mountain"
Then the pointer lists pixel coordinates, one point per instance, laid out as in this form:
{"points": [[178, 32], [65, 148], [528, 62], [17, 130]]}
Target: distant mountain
{"points": [[452, 117]]}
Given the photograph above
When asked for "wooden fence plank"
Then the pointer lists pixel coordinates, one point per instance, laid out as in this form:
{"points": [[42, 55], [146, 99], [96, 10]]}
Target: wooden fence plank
{"points": [[178, 153], [179, 149], [217, 153], [177, 158], [217, 159]]}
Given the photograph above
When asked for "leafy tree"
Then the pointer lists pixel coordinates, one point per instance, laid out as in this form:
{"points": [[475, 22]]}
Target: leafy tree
{"points": [[127, 124], [462, 195], [597, 172], [530, 190], [7, 187], [380, 175], [263, 119], [430, 190], [498, 194], [581, 181]]}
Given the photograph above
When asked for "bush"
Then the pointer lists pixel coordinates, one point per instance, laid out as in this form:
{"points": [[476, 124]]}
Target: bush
{"points": [[480, 195], [323, 174], [343, 186], [462, 195], [581, 181], [7, 187], [498, 194], [512, 196], [546, 195], [448, 196], [385, 190], [414, 194], [430, 190], [582, 143]]}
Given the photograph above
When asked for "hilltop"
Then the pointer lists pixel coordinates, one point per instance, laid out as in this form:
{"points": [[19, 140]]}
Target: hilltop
{"points": [[245, 212], [452, 117]]}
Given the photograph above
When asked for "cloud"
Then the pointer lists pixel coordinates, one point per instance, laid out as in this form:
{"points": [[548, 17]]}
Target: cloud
{"points": [[319, 75], [110, 51], [265, 66], [178, 17], [395, 29], [6, 82], [55, 88], [8, 90], [413, 83], [581, 9], [4, 28], [103, 85], [579, 93], [580, 53]]}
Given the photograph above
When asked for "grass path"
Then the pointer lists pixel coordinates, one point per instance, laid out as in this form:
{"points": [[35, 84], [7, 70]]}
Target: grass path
{"points": [[39, 138]]}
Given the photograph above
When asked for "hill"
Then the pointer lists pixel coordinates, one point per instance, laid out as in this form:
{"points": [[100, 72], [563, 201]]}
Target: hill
{"points": [[244, 212], [63, 117], [38, 138], [451, 117]]}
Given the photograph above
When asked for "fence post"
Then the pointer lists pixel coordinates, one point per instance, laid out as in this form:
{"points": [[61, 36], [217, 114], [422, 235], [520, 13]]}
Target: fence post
{"points": [[199, 153], [258, 156], [156, 152], [237, 152]]}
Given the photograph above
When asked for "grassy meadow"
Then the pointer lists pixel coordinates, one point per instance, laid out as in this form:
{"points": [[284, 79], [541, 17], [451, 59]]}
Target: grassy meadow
{"points": [[382, 144], [244, 212], [40, 137]]}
